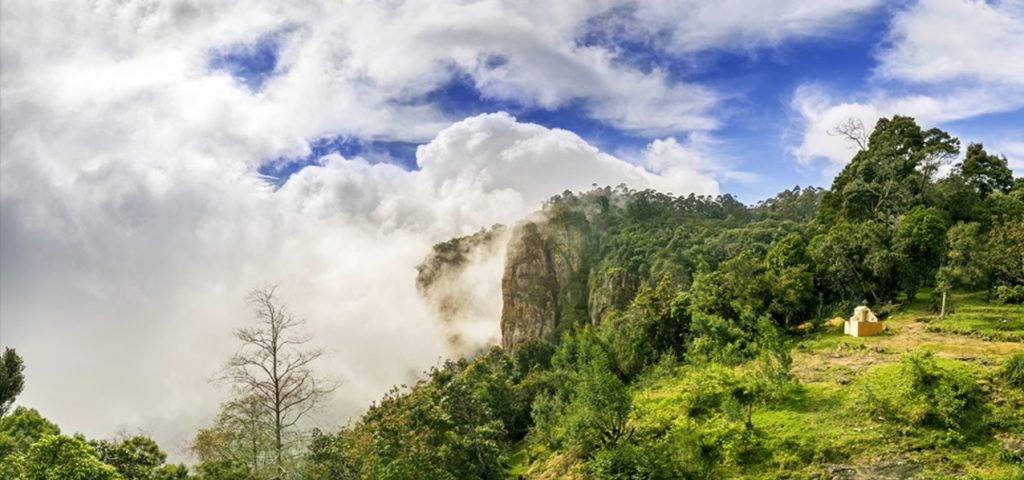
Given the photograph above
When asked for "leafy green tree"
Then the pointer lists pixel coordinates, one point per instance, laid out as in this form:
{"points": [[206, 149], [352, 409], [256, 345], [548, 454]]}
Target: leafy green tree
{"points": [[797, 205], [1006, 252], [891, 175], [792, 294], [598, 409], [452, 424], [170, 472], [657, 322], [958, 200], [491, 380], [12, 379], [920, 238], [12, 467], [240, 435], [963, 264], [330, 455], [737, 285], [789, 252], [222, 470], [984, 172], [999, 208], [855, 262], [745, 283], [790, 280], [532, 354], [768, 379], [627, 460], [589, 404], [59, 457], [135, 458], [22, 428]]}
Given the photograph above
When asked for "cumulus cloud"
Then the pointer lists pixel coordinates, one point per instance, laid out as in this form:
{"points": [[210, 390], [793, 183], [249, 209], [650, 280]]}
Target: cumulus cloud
{"points": [[944, 40], [946, 60], [691, 165]]}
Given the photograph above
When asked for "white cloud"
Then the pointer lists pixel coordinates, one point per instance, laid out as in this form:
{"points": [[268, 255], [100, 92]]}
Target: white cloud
{"points": [[957, 40], [820, 113], [1014, 152], [360, 68], [694, 25], [679, 165], [969, 51]]}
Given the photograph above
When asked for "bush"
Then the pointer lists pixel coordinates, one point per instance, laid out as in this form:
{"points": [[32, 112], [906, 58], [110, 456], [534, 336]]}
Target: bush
{"points": [[533, 354], [716, 402], [222, 470], [1013, 370], [629, 462], [923, 390], [588, 404], [1009, 294]]}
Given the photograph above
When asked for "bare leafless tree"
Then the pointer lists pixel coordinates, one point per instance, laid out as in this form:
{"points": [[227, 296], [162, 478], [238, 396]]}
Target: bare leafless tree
{"points": [[853, 129], [274, 366]]}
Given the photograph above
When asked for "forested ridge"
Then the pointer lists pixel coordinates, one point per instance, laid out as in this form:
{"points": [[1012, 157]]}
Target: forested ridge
{"points": [[677, 337]]}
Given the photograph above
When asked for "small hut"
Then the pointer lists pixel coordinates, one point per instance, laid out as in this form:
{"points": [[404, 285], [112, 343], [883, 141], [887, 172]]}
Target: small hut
{"points": [[863, 323]]}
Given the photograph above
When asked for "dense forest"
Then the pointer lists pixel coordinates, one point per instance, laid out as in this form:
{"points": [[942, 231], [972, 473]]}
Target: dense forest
{"points": [[668, 347]]}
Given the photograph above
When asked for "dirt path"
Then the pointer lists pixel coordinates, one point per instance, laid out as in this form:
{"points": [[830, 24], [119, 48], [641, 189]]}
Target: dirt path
{"points": [[836, 357]]}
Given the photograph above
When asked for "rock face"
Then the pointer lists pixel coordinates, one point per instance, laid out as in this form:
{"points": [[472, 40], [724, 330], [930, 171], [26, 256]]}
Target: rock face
{"points": [[555, 275], [551, 281], [611, 289], [529, 286]]}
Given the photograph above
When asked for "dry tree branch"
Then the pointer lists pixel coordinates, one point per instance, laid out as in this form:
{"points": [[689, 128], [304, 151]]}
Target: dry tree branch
{"points": [[852, 129]]}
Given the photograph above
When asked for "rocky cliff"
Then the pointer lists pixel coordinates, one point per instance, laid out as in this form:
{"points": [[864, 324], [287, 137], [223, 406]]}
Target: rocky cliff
{"points": [[569, 264], [553, 279]]}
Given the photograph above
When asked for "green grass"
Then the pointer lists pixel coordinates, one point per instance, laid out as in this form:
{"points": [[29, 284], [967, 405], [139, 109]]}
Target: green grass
{"points": [[971, 316], [826, 423]]}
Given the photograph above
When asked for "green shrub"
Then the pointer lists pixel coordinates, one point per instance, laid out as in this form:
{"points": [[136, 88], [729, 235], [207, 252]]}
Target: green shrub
{"points": [[547, 414], [533, 354], [1009, 294], [704, 416], [631, 462], [588, 404], [1013, 370], [923, 390]]}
